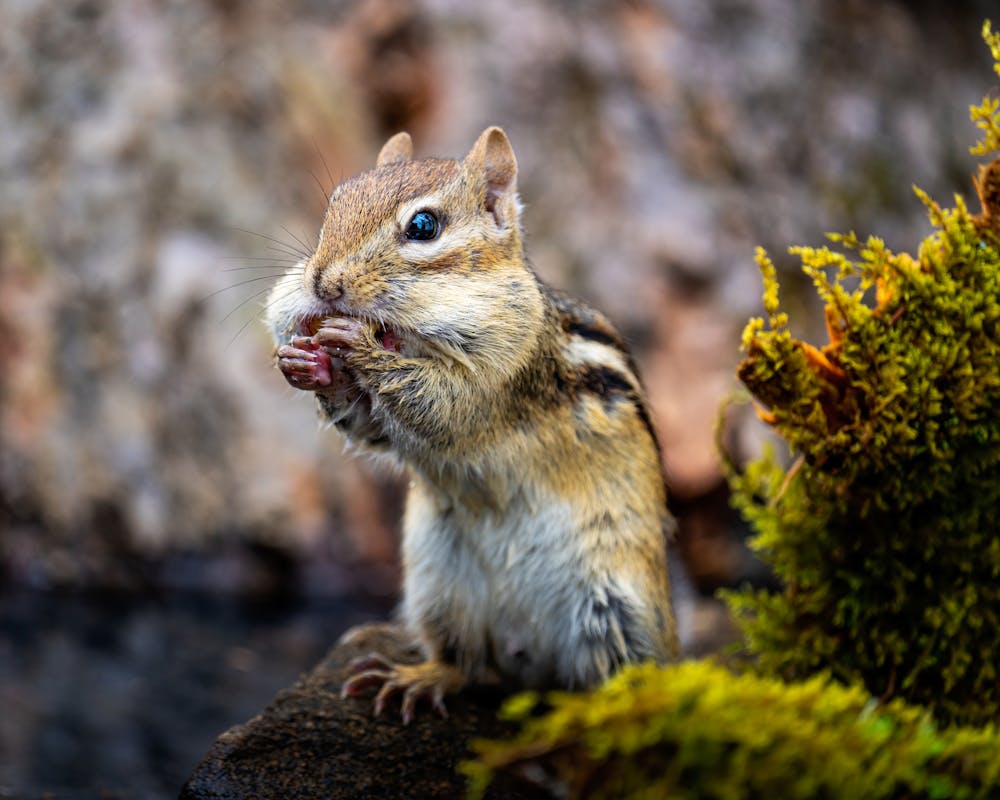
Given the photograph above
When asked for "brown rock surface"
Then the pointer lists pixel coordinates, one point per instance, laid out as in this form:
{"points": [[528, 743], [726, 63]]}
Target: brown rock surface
{"points": [[308, 743]]}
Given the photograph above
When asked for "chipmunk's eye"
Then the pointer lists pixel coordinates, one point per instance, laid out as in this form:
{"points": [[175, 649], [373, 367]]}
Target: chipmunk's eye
{"points": [[423, 227]]}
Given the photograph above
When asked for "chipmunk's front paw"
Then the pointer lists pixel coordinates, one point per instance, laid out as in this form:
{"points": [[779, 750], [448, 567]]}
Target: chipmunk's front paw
{"points": [[341, 336], [305, 365], [431, 680], [319, 362], [353, 339]]}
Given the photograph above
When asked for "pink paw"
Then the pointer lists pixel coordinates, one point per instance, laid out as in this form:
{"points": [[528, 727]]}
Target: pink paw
{"points": [[316, 363], [339, 335], [305, 364]]}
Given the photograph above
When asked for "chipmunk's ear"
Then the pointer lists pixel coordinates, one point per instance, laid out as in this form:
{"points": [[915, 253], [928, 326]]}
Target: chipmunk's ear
{"points": [[492, 159], [398, 148]]}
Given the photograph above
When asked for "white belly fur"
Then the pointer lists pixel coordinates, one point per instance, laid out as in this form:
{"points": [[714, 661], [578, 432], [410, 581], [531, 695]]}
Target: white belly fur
{"points": [[520, 591]]}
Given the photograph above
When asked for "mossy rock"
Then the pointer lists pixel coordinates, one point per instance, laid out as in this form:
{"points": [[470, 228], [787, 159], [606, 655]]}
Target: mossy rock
{"points": [[696, 731]]}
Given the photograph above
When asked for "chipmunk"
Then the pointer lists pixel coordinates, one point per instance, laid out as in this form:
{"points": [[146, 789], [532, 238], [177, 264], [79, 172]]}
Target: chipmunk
{"points": [[534, 548]]}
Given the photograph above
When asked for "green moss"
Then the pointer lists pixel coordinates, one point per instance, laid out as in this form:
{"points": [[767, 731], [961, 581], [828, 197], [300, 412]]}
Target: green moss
{"points": [[695, 730], [987, 114], [885, 531]]}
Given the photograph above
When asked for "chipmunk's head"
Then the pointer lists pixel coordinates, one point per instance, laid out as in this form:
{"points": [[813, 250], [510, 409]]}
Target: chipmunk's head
{"points": [[430, 249]]}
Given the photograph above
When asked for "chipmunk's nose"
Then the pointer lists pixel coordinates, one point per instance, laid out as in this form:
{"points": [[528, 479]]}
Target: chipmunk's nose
{"points": [[328, 284]]}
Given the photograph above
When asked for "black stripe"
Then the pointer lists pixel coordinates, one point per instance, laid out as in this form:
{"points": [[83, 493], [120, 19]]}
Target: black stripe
{"points": [[644, 417], [579, 319], [578, 327], [605, 381], [610, 384]]}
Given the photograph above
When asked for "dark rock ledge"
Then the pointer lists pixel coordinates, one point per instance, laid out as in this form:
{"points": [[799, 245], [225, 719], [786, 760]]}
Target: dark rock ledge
{"points": [[309, 744]]}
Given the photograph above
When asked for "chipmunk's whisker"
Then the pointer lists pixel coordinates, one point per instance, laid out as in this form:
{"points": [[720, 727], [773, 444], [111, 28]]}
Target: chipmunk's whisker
{"points": [[244, 302], [284, 247], [304, 245], [253, 317], [273, 258], [324, 192], [240, 283], [236, 336], [278, 270], [282, 296], [328, 175]]}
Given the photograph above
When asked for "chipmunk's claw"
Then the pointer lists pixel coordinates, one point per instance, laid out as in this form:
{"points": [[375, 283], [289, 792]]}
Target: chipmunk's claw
{"points": [[364, 680], [372, 661], [305, 367], [431, 680]]}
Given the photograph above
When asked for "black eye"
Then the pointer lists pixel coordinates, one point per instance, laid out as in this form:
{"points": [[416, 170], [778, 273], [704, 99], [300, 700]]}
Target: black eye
{"points": [[423, 227]]}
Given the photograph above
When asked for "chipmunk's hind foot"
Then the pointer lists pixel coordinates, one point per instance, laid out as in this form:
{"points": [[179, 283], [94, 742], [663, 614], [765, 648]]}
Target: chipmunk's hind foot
{"points": [[431, 680]]}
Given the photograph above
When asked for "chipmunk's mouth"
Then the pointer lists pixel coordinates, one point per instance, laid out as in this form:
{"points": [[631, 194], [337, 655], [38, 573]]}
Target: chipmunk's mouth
{"points": [[309, 326], [388, 337]]}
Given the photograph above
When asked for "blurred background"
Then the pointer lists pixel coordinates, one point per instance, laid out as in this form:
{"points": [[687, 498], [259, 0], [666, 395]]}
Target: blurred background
{"points": [[178, 538]]}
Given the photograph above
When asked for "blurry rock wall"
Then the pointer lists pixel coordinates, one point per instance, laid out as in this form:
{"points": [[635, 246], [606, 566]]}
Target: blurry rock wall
{"points": [[158, 161]]}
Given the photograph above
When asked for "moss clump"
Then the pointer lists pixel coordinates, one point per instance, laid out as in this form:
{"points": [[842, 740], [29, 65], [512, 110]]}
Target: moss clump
{"points": [[987, 114], [695, 730], [886, 530]]}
